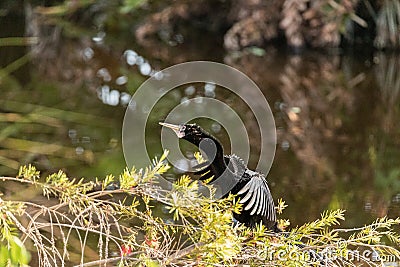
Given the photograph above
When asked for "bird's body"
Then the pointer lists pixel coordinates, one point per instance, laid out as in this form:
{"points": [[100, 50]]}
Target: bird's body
{"points": [[251, 189], [250, 186]]}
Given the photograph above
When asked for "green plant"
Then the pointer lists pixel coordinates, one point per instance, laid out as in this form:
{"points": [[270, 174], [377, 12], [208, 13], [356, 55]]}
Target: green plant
{"points": [[201, 232], [12, 250], [129, 5]]}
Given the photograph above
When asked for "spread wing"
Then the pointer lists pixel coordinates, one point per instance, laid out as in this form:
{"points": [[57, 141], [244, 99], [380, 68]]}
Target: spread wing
{"points": [[255, 195], [257, 198]]}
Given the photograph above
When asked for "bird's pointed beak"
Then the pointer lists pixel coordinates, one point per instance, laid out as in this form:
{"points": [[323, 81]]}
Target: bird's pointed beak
{"points": [[175, 128]]}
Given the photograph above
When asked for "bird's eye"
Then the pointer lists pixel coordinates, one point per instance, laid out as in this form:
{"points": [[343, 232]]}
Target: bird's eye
{"points": [[182, 129]]}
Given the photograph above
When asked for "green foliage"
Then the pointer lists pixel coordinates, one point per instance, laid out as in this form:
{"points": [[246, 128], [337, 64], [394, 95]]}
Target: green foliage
{"points": [[281, 206], [201, 232], [129, 5], [129, 179], [14, 253], [12, 250], [18, 41], [29, 173], [107, 181]]}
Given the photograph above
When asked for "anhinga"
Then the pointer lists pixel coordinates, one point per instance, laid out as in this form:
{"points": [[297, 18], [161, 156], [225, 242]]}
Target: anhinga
{"points": [[250, 187]]}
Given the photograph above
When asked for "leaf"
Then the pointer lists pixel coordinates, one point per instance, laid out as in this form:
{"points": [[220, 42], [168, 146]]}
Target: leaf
{"points": [[151, 263], [130, 5], [18, 41], [18, 253], [4, 255], [257, 51]]}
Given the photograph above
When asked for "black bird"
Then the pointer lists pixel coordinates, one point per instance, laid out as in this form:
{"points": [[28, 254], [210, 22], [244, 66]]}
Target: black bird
{"points": [[250, 186]]}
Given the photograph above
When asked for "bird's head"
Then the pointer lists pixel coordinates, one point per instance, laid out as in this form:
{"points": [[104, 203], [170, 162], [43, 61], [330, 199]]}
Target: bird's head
{"points": [[190, 132], [208, 144]]}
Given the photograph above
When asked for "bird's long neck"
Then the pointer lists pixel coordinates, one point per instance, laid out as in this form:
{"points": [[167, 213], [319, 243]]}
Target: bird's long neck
{"points": [[214, 151]]}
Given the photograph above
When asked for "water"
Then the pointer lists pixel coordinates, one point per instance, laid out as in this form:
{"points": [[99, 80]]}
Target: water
{"points": [[336, 113]]}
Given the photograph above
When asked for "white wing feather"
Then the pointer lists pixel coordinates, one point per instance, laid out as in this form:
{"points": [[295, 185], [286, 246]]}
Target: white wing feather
{"points": [[257, 197]]}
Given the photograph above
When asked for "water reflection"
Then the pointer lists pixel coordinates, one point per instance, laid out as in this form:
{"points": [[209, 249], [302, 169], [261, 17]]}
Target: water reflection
{"points": [[337, 115], [334, 115]]}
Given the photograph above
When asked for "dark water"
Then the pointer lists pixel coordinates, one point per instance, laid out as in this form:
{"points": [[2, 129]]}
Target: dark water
{"points": [[337, 112]]}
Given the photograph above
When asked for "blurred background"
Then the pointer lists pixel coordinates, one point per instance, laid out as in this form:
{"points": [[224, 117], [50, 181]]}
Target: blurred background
{"points": [[329, 69]]}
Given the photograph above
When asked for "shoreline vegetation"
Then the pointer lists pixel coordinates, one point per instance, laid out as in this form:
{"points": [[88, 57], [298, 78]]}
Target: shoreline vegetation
{"points": [[125, 231], [241, 23]]}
